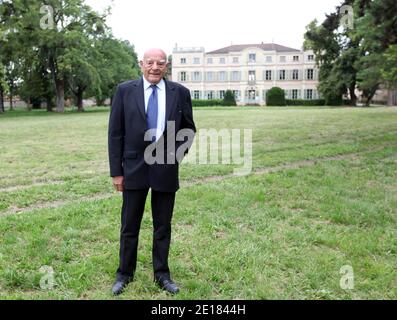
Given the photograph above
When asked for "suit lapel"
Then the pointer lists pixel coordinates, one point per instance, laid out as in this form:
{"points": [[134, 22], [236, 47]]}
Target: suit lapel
{"points": [[140, 98], [170, 96]]}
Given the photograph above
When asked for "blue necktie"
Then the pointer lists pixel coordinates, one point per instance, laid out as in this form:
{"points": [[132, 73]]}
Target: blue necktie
{"points": [[152, 110]]}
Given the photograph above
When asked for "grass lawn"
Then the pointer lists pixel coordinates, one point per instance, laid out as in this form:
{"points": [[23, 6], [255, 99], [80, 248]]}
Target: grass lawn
{"points": [[322, 195]]}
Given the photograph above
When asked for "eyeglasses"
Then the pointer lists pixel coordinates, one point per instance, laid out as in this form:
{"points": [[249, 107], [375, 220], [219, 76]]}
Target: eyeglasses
{"points": [[160, 63]]}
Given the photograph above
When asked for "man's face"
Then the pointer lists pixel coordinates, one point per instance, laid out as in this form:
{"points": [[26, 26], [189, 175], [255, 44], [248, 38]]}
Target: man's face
{"points": [[154, 66]]}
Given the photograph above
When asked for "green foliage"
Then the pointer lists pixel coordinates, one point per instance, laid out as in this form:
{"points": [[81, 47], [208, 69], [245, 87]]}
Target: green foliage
{"points": [[389, 68], [333, 100], [116, 62], [335, 57], [306, 103], [355, 58], [78, 56], [207, 103], [229, 99], [275, 97]]}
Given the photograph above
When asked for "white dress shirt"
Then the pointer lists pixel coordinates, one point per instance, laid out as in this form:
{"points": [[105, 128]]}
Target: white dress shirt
{"points": [[161, 104]]}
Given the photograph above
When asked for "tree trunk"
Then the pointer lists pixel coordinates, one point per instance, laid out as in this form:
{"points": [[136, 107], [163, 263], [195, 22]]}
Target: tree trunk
{"points": [[353, 97], [11, 96], [99, 102], [369, 99], [29, 104], [49, 104], [1, 100], [79, 96], [371, 95], [60, 88]]}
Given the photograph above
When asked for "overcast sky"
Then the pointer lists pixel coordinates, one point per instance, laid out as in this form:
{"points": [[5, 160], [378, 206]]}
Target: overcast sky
{"points": [[212, 24]]}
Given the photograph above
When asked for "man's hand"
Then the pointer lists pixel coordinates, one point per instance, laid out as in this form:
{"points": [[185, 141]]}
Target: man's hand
{"points": [[118, 183]]}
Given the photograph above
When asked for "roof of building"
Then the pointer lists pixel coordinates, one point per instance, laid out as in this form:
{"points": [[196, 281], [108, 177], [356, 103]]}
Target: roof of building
{"points": [[263, 46]]}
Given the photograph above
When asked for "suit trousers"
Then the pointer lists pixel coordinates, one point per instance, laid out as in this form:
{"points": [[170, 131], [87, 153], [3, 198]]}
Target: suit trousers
{"points": [[131, 217]]}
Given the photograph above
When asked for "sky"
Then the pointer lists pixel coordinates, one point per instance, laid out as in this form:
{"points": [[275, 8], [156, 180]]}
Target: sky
{"points": [[212, 24]]}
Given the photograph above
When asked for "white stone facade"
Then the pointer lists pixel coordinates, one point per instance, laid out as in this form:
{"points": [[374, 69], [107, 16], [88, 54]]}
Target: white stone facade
{"points": [[248, 70]]}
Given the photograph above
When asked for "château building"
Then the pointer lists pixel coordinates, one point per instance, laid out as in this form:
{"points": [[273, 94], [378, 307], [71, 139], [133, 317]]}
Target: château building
{"points": [[247, 70]]}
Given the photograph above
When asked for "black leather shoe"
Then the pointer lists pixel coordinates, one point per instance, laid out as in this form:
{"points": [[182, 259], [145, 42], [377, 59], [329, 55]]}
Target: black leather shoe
{"points": [[119, 286], [167, 285]]}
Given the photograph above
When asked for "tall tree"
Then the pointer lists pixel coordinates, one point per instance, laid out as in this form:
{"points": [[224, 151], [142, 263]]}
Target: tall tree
{"points": [[353, 57], [37, 85], [337, 50], [74, 22], [61, 49], [55, 32], [377, 29], [118, 62], [83, 73]]}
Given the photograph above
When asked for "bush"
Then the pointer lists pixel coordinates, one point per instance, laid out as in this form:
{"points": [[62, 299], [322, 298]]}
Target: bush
{"points": [[332, 100], [207, 103], [275, 97], [305, 103], [229, 99]]}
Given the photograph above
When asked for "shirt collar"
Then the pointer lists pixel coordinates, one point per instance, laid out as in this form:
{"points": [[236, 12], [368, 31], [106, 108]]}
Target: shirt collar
{"points": [[147, 84]]}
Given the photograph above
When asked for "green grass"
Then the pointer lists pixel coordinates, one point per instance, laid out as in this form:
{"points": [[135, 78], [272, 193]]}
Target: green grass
{"points": [[279, 235]]}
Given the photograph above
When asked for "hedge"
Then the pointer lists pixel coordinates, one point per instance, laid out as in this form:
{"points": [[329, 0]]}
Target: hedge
{"points": [[306, 103], [207, 103]]}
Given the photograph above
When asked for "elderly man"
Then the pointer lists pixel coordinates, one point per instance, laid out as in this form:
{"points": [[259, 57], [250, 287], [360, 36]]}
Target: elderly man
{"points": [[150, 103]]}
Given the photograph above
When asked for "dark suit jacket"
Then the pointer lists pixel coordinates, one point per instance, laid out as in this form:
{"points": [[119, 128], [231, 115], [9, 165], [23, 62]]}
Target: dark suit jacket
{"points": [[127, 127]]}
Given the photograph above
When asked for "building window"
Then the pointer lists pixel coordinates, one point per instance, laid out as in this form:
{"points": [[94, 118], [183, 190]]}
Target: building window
{"points": [[252, 57], [235, 76], [196, 76], [295, 58], [210, 95], [281, 75], [222, 60], [309, 94], [236, 94], [196, 94], [210, 76], [295, 74], [183, 60], [235, 59], [310, 74], [196, 60], [209, 60], [294, 94], [310, 57], [283, 59], [222, 76], [251, 76], [268, 75], [269, 59], [182, 76], [221, 94]]}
